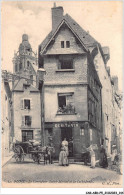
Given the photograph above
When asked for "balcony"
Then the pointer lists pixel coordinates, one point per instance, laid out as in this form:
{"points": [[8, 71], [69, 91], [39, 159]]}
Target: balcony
{"points": [[69, 109]]}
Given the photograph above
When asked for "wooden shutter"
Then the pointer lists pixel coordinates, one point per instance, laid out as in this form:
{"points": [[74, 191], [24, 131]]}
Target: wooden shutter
{"points": [[22, 104], [30, 118], [23, 120], [31, 104]]}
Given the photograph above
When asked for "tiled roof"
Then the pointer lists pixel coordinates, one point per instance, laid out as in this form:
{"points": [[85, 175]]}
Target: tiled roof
{"points": [[19, 86], [84, 36]]}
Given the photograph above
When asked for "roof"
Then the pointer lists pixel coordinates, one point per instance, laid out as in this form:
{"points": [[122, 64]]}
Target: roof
{"points": [[21, 83], [84, 36]]}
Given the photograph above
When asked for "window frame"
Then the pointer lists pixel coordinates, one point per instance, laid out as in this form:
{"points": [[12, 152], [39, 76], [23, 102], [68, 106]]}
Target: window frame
{"points": [[26, 131], [22, 103], [29, 104], [67, 44], [72, 104], [29, 120], [62, 44]]}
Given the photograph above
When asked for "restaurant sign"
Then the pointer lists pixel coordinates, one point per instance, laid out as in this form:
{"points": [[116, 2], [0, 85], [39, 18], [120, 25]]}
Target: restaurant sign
{"points": [[66, 124]]}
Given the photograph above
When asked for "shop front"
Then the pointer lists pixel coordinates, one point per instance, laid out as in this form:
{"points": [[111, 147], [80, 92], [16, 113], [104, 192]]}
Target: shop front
{"points": [[76, 133]]}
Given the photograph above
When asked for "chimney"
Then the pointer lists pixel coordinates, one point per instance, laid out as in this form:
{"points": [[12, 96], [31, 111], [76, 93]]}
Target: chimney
{"points": [[57, 16]]}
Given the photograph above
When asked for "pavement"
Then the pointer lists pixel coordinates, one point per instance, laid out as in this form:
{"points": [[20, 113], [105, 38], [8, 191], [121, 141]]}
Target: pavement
{"points": [[7, 158], [28, 172]]}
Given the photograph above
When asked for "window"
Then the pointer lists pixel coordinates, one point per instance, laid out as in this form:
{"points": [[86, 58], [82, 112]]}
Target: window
{"points": [[20, 66], [66, 64], [62, 44], [67, 44], [16, 68], [27, 135], [27, 104], [31, 78], [66, 104], [28, 65], [92, 113], [26, 121], [26, 86]]}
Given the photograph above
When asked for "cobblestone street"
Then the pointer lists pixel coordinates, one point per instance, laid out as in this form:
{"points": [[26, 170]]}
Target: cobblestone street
{"points": [[32, 172]]}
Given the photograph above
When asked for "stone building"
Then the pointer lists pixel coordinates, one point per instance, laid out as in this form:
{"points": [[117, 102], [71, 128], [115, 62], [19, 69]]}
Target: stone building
{"points": [[6, 118], [72, 89], [110, 105], [25, 94], [117, 115]]}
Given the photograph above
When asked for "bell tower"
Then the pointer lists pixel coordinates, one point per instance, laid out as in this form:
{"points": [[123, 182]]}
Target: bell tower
{"points": [[25, 60]]}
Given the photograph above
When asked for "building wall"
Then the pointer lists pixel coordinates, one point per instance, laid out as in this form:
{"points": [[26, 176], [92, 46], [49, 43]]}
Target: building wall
{"points": [[107, 102], [76, 81], [5, 122], [56, 76], [64, 34], [51, 103], [34, 112]]}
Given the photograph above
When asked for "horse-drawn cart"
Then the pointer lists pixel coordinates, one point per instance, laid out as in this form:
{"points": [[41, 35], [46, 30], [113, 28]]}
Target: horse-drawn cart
{"points": [[36, 152], [21, 149]]}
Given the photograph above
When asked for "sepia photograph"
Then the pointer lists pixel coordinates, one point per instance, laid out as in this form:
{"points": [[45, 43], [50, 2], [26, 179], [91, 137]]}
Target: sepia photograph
{"points": [[61, 94]]}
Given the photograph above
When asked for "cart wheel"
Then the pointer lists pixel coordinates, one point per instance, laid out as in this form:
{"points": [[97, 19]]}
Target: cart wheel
{"points": [[19, 154]]}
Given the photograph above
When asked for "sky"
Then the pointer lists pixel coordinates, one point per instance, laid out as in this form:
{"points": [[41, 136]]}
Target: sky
{"points": [[103, 20]]}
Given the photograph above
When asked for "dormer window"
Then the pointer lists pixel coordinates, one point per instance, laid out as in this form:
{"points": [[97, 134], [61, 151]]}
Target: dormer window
{"points": [[62, 44], [67, 44], [26, 86]]}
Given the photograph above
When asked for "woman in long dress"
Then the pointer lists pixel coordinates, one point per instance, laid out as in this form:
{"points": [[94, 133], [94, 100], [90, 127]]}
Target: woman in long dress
{"points": [[63, 158], [103, 158]]}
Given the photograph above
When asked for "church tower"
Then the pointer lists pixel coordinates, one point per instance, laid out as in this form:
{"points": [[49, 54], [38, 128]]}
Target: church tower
{"points": [[25, 60]]}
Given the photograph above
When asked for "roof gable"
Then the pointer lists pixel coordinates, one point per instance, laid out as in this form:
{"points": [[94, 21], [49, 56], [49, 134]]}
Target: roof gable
{"points": [[64, 34], [85, 38]]}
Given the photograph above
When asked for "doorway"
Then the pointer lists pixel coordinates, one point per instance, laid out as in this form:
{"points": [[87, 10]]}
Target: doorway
{"points": [[66, 132]]}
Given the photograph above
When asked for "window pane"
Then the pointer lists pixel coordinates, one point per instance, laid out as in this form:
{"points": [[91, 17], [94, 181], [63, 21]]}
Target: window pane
{"points": [[27, 135], [67, 44], [66, 64], [26, 104], [62, 101], [28, 120], [62, 44]]}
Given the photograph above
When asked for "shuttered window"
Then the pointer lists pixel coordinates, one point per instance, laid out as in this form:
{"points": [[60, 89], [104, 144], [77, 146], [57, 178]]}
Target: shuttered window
{"points": [[26, 104], [26, 120]]}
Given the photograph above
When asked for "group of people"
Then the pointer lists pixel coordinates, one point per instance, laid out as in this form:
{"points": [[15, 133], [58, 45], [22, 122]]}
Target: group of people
{"points": [[103, 162], [64, 152]]}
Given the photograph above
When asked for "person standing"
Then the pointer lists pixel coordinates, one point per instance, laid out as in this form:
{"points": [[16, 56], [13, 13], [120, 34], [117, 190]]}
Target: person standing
{"points": [[93, 160], [65, 144], [63, 158], [103, 162], [114, 154]]}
